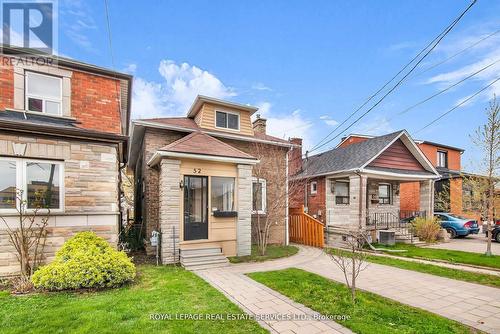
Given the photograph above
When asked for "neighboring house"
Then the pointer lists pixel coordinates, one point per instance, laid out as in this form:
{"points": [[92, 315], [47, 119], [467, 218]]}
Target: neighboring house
{"points": [[448, 188], [358, 183], [195, 178], [63, 134]]}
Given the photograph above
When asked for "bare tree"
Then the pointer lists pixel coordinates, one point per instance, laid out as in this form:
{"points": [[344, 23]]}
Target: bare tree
{"points": [[28, 238], [352, 260], [271, 170], [487, 138]]}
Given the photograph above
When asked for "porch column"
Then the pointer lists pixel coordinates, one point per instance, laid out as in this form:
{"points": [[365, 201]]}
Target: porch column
{"points": [[358, 200], [244, 224], [170, 209], [427, 197]]}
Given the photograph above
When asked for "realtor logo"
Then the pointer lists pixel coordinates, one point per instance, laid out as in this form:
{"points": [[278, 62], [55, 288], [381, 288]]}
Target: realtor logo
{"points": [[29, 24]]}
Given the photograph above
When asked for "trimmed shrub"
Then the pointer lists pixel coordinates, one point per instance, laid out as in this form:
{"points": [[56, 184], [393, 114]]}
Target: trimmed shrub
{"points": [[85, 261], [427, 229]]}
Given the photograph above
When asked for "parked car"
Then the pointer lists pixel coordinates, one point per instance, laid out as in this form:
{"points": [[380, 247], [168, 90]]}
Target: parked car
{"points": [[495, 232], [457, 226]]}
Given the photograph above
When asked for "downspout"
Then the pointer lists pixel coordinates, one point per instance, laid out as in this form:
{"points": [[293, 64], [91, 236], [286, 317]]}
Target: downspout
{"points": [[287, 236]]}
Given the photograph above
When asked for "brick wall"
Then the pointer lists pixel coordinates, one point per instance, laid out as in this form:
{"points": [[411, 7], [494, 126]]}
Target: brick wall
{"points": [[410, 196], [95, 102], [316, 203], [430, 151], [6, 84]]}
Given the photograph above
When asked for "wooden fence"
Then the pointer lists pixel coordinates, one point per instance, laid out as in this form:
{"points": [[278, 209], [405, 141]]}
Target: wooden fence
{"points": [[305, 229]]}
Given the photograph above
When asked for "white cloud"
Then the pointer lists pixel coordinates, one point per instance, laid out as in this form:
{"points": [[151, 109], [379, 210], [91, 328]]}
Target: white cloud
{"points": [[481, 55], [175, 94], [328, 120], [287, 125], [81, 18], [260, 86], [376, 127], [130, 68], [402, 46]]}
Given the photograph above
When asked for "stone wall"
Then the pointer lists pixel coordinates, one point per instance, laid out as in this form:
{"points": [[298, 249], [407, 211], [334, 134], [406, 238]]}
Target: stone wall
{"points": [[244, 223], [345, 214], [90, 191], [155, 139]]}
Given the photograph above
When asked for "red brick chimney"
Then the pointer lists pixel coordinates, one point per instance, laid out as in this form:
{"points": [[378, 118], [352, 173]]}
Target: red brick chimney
{"points": [[295, 157], [259, 125]]}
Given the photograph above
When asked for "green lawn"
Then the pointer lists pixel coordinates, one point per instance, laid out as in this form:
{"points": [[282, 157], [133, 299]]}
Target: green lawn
{"points": [[445, 255], [371, 314], [163, 290], [272, 252], [457, 274]]}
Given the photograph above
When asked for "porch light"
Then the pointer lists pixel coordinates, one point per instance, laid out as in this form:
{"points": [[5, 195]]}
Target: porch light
{"points": [[181, 184]]}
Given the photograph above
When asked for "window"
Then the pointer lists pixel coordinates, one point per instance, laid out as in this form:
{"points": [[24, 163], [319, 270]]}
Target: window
{"points": [[8, 184], [222, 194], [40, 182], [341, 192], [227, 120], [384, 193], [314, 188], [259, 196], [442, 159], [43, 93]]}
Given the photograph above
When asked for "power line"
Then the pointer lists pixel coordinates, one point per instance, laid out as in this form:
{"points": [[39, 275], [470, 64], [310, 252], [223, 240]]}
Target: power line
{"points": [[110, 42], [458, 105], [438, 93], [458, 53], [434, 43]]}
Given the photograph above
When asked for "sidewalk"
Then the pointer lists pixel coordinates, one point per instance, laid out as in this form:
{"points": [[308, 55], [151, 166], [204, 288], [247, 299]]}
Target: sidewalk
{"points": [[472, 304]]}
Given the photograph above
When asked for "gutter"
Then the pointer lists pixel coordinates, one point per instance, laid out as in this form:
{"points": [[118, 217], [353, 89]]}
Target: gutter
{"points": [[158, 155]]}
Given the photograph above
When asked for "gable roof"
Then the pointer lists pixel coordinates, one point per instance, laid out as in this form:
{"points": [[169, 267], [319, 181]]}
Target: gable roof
{"points": [[202, 146], [200, 143], [200, 99], [357, 156]]}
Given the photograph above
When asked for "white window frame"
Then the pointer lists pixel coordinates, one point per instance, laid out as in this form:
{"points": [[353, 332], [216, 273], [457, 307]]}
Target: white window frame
{"points": [[445, 154], [315, 190], [21, 165], [348, 191], [263, 197], [227, 119], [391, 199], [43, 98]]}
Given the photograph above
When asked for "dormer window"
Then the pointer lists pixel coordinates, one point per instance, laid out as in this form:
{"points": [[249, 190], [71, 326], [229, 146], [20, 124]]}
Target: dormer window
{"points": [[227, 120], [43, 93], [442, 159]]}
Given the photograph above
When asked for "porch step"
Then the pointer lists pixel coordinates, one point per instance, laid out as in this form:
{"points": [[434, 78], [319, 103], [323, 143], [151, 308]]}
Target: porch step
{"points": [[203, 258]]}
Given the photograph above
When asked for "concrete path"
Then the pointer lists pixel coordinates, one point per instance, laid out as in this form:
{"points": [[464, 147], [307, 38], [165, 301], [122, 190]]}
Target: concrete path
{"points": [[473, 243], [472, 304], [272, 310]]}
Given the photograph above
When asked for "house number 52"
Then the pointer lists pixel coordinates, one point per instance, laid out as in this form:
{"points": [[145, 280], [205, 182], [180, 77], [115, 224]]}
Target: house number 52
{"points": [[197, 170]]}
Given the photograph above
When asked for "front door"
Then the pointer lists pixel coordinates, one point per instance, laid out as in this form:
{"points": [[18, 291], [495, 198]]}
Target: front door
{"points": [[195, 207]]}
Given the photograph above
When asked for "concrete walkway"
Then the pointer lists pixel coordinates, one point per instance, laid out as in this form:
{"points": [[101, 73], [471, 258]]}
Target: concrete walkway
{"points": [[475, 243], [472, 304]]}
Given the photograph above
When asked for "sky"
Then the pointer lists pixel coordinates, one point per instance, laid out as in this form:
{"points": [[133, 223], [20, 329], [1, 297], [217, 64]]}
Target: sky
{"points": [[306, 64]]}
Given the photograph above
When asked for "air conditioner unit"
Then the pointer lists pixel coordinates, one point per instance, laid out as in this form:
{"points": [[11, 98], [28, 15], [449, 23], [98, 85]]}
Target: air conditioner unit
{"points": [[387, 237]]}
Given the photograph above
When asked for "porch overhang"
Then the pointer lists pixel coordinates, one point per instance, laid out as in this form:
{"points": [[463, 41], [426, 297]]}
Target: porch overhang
{"points": [[158, 155]]}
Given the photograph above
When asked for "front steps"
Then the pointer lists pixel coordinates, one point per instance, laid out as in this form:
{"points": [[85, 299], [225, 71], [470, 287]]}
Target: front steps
{"points": [[203, 258]]}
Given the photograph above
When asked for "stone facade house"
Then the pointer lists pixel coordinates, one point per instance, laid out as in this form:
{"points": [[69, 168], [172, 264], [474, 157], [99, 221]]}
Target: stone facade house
{"points": [[63, 134], [358, 184], [196, 180]]}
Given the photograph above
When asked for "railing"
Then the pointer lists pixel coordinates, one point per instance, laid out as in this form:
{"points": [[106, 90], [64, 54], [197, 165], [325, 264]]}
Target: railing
{"points": [[387, 220], [305, 229]]}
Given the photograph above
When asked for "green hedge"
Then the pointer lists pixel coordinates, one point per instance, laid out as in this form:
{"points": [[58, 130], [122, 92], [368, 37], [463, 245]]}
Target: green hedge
{"points": [[85, 261]]}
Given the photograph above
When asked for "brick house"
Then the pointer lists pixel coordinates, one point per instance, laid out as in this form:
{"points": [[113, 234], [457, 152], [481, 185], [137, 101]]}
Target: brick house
{"points": [[195, 180], [63, 132], [358, 183], [448, 188]]}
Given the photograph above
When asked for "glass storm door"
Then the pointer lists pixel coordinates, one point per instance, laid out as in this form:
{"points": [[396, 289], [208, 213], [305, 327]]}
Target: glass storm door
{"points": [[195, 207]]}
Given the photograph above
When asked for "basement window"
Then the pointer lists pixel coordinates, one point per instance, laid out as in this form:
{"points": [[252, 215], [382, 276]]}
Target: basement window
{"points": [[43, 93], [227, 120]]}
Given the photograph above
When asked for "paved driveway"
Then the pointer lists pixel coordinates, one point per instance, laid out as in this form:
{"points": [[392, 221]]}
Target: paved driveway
{"points": [[475, 305], [474, 243]]}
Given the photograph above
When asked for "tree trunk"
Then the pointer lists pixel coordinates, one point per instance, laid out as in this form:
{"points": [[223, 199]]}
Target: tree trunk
{"points": [[353, 280]]}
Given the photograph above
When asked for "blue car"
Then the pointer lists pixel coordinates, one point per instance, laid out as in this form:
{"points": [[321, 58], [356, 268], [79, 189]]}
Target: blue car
{"points": [[457, 226]]}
